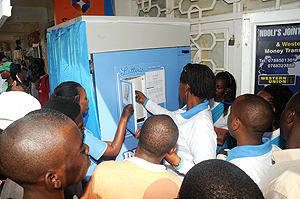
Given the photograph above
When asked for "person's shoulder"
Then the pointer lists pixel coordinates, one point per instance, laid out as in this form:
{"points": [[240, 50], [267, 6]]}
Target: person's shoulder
{"points": [[111, 165], [174, 178], [281, 181]]}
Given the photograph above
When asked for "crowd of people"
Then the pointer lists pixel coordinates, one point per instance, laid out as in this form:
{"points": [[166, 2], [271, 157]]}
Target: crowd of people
{"points": [[218, 145], [20, 77]]}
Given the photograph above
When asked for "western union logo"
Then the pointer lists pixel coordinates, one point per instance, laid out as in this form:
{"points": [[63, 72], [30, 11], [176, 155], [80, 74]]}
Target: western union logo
{"points": [[276, 79]]}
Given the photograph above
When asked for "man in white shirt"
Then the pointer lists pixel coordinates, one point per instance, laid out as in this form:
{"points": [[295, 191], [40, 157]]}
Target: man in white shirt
{"points": [[283, 178]]}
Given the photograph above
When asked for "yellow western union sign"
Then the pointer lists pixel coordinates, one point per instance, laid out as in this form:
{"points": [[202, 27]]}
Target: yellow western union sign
{"points": [[276, 79]]}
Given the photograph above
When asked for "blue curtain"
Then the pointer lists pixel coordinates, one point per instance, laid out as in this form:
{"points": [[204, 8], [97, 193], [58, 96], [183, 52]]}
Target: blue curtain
{"points": [[68, 61]]}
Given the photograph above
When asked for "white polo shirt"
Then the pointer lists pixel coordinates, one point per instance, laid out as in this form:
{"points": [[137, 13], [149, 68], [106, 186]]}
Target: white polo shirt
{"points": [[197, 139], [255, 160]]}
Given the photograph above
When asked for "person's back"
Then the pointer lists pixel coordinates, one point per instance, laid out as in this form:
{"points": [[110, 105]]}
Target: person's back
{"points": [[250, 116], [218, 179], [283, 178], [141, 176], [128, 179]]}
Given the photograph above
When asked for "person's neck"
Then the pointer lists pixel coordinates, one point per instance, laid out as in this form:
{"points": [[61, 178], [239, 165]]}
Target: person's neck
{"points": [[42, 73], [192, 101], [219, 99], [34, 192], [254, 139], [293, 140], [140, 154]]}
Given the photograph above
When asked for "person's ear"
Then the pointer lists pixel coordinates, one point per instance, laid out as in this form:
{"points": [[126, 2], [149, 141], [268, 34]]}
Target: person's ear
{"points": [[291, 116], [187, 88], [172, 151], [137, 133], [52, 180], [236, 124], [227, 90]]}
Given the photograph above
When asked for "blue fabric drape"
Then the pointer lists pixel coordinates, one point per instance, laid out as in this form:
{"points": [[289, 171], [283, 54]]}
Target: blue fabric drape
{"points": [[68, 61]]}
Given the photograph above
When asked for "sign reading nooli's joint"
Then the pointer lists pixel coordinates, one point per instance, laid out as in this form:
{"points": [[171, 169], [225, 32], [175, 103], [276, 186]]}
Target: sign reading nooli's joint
{"points": [[278, 56]]}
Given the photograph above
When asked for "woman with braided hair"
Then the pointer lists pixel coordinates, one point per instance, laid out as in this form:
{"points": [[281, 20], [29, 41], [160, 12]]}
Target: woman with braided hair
{"points": [[197, 140], [225, 95]]}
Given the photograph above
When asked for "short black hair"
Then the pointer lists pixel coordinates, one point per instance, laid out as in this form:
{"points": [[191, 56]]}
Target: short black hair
{"points": [[67, 90], [218, 179], [66, 106], [280, 96], [38, 63], [158, 135], [230, 83], [29, 146], [254, 112], [201, 80]]}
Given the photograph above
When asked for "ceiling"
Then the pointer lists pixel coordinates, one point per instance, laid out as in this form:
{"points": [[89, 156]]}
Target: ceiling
{"points": [[25, 17], [33, 3]]}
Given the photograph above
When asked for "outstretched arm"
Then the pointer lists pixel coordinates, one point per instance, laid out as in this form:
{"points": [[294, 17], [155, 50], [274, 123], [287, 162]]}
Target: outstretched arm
{"points": [[114, 147], [150, 105], [182, 166]]}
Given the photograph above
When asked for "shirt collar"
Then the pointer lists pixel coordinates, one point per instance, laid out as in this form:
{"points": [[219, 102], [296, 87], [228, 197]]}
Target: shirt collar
{"points": [[250, 150], [147, 165], [195, 110], [286, 155]]}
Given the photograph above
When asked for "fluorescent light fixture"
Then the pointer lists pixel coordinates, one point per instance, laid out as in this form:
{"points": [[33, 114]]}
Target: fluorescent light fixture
{"points": [[5, 11]]}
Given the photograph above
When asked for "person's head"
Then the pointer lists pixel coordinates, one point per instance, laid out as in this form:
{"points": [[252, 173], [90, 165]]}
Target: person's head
{"points": [[250, 115], [158, 136], [218, 179], [74, 91], [8, 69], [290, 122], [226, 87], [277, 95], [68, 107], [44, 150], [15, 105], [3, 59], [198, 80], [23, 63], [38, 66], [22, 73]]}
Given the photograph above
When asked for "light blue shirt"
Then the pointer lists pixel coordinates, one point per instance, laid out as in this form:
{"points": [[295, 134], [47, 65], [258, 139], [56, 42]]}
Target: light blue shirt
{"points": [[96, 150]]}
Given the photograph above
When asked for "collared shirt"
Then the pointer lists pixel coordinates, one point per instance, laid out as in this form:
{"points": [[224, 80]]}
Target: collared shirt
{"points": [[197, 139], [147, 165], [283, 178], [131, 178], [255, 160], [217, 109], [275, 138], [96, 150]]}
